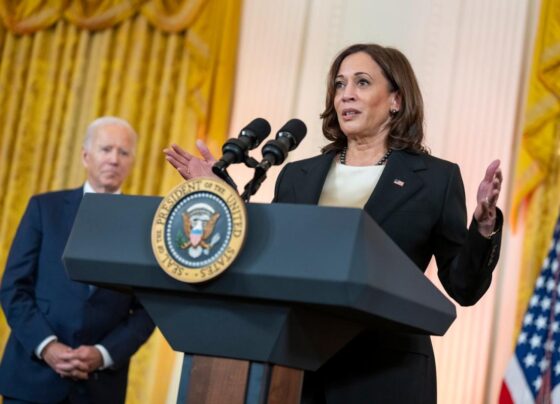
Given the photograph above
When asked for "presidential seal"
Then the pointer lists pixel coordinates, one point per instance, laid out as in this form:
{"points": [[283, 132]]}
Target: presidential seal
{"points": [[198, 230]]}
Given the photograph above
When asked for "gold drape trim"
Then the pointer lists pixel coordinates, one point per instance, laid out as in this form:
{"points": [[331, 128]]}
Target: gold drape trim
{"points": [[174, 15], [26, 17], [100, 14]]}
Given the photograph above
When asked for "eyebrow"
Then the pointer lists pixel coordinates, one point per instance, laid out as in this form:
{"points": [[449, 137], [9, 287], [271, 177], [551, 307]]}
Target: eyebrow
{"points": [[355, 74]]}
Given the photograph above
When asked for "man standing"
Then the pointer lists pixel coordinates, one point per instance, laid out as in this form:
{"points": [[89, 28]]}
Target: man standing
{"points": [[69, 342]]}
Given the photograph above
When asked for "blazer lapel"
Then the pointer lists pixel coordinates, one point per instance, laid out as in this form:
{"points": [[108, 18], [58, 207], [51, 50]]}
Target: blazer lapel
{"points": [[398, 183], [314, 174], [71, 204]]}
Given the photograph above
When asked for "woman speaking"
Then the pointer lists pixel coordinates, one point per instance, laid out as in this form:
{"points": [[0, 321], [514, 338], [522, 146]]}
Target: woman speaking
{"points": [[376, 160]]}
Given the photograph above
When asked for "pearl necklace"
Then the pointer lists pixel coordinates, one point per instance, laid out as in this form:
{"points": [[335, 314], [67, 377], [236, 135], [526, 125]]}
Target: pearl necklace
{"points": [[383, 160]]}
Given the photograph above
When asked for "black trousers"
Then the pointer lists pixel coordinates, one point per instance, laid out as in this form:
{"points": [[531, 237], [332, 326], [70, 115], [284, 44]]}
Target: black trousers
{"points": [[376, 368]]}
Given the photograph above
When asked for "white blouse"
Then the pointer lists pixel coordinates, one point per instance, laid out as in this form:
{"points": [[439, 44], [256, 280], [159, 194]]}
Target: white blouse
{"points": [[349, 186]]}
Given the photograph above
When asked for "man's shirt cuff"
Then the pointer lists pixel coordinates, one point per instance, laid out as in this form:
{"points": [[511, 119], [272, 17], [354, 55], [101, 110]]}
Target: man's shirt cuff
{"points": [[107, 360], [42, 345]]}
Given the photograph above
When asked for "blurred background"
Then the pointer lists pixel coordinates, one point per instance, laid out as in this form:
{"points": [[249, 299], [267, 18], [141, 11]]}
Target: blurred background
{"points": [[180, 70]]}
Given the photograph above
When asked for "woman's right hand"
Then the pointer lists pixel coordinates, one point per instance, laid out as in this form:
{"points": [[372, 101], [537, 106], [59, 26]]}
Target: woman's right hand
{"points": [[188, 165]]}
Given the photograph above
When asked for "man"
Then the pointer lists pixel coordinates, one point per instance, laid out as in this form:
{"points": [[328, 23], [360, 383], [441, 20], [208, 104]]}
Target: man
{"points": [[70, 342]]}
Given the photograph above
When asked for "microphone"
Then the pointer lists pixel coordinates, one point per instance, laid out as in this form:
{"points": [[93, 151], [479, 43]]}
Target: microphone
{"points": [[275, 152], [235, 150], [287, 139]]}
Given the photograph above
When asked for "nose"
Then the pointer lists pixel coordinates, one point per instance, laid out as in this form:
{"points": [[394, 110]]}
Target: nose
{"points": [[349, 92], [114, 156]]}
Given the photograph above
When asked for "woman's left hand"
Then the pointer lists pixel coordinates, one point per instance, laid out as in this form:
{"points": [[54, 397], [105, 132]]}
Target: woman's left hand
{"points": [[188, 165], [487, 197]]}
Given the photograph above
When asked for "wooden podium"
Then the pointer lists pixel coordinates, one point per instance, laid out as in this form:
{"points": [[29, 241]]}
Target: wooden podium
{"points": [[308, 280]]}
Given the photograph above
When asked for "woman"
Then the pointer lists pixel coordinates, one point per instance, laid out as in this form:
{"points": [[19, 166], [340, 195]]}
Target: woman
{"points": [[377, 161]]}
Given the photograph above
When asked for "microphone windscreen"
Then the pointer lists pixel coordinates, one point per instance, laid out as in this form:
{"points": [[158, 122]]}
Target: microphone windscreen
{"points": [[259, 127], [296, 128]]}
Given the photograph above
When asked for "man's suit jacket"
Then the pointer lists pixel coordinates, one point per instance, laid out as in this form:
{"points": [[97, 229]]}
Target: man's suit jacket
{"points": [[40, 300], [419, 202]]}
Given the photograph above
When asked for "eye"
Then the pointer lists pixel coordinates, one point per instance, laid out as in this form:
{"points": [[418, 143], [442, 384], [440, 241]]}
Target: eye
{"points": [[363, 82], [338, 84], [106, 149], [124, 153]]}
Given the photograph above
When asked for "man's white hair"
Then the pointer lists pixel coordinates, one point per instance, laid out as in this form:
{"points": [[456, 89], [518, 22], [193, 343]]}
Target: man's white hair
{"points": [[104, 121]]}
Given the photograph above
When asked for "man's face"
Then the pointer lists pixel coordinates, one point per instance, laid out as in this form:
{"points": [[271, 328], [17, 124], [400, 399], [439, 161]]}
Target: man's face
{"points": [[109, 157]]}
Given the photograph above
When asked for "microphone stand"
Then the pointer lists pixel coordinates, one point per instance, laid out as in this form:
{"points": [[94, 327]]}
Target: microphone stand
{"points": [[253, 186], [224, 175]]}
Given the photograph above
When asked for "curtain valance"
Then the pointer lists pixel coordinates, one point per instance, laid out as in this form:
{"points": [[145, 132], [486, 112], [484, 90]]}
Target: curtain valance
{"points": [[29, 16]]}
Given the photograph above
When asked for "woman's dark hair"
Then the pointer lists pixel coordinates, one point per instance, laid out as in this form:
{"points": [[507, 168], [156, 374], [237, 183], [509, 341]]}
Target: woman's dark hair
{"points": [[406, 126]]}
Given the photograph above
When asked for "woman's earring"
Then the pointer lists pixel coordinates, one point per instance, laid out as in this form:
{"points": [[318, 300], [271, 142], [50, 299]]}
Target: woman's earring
{"points": [[393, 111]]}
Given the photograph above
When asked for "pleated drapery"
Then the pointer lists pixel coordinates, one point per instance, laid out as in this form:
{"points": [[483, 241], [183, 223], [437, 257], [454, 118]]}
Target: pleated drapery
{"points": [[167, 66], [537, 171]]}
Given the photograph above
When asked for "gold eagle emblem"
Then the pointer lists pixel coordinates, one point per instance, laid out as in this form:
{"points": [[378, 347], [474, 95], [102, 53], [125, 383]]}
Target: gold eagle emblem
{"points": [[201, 235]]}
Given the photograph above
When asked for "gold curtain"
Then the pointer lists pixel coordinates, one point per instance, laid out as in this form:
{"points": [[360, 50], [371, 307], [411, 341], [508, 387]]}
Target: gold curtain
{"points": [[537, 175], [167, 66]]}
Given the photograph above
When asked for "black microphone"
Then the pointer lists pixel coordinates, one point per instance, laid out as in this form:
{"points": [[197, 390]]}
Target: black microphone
{"points": [[287, 139], [235, 150], [275, 152]]}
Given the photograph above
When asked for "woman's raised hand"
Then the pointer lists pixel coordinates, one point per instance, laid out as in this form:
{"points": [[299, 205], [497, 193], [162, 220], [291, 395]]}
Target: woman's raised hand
{"points": [[190, 166], [487, 197]]}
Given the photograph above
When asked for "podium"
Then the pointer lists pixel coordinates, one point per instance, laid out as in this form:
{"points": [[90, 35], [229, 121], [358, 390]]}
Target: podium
{"points": [[308, 280]]}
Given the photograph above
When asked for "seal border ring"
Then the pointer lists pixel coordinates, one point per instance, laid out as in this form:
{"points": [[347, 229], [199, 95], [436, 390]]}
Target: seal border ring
{"points": [[231, 199]]}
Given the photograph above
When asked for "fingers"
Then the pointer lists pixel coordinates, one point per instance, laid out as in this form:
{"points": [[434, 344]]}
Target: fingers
{"points": [[183, 169], [73, 360], [181, 153], [74, 369], [83, 366], [491, 170], [67, 355], [490, 187], [90, 358], [177, 154], [204, 151], [64, 367], [67, 362], [74, 374], [493, 197], [485, 214], [496, 187], [174, 162], [499, 174], [80, 375], [487, 197], [484, 207]]}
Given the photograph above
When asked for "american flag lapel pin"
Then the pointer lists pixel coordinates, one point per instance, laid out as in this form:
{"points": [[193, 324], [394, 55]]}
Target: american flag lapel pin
{"points": [[398, 182]]}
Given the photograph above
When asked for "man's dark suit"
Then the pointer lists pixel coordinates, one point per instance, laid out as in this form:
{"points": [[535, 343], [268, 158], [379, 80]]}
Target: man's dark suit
{"points": [[40, 300], [419, 202]]}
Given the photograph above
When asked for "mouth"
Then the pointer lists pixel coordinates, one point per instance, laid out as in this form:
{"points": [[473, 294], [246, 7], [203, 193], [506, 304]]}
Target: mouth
{"points": [[110, 173], [349, 113]]}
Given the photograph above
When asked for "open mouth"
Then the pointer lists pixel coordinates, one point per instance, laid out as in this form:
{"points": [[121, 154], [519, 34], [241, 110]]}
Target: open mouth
{"points": [[348, 113]]}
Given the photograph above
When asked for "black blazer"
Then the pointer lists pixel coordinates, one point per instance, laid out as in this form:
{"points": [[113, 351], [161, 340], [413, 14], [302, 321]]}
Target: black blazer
{"points": [[419, 202]]}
